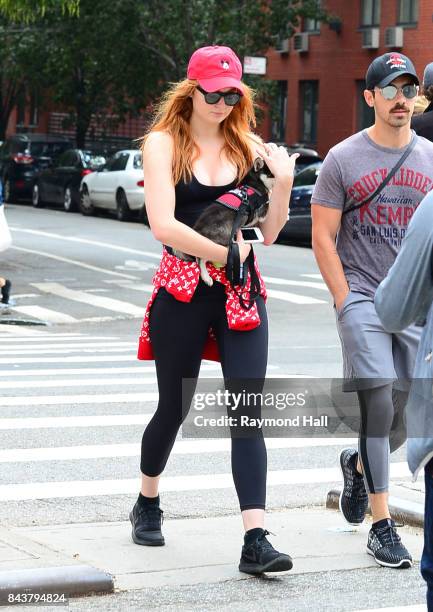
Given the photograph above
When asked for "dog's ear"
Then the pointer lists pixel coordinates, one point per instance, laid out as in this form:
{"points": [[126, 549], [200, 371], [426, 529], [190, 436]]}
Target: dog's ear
{"points": [[258, 164]]}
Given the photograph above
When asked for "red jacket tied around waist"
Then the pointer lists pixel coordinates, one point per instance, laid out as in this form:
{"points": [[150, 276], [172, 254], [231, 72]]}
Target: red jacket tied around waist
{"points": [[180, 278]]}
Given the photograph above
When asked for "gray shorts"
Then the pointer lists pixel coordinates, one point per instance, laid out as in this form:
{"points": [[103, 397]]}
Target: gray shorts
{"points": [[372, 356]]}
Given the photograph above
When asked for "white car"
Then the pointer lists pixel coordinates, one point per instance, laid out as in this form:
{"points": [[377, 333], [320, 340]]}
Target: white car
{"points": [[117, 186]]}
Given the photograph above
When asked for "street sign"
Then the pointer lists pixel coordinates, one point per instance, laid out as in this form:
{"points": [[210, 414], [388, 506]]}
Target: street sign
{"points": [[254, 65]]}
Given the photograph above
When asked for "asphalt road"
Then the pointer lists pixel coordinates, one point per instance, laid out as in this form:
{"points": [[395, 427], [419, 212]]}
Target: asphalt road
{"points": [[67, 356]]}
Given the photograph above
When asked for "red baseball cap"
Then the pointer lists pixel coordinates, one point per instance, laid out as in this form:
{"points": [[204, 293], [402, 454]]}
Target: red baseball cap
{"points": [[215, 68]]}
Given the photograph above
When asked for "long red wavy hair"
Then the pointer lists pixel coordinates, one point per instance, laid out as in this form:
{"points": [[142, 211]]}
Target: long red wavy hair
{"points": [[173, 113]]}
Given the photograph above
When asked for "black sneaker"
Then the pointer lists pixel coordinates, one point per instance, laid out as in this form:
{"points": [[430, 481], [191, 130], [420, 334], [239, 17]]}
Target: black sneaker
{"points": [[353, 498], [385, 546], [6, 291], [259, 556], [146, 523]]}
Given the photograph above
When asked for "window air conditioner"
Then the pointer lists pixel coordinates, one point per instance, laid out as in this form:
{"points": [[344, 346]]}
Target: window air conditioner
{"points": [[394, 37], [282, 45], [370, 38], [301, 42]]}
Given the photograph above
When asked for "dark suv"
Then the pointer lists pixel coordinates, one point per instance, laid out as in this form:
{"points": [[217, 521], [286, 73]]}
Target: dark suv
{"points": [[22, 156]]}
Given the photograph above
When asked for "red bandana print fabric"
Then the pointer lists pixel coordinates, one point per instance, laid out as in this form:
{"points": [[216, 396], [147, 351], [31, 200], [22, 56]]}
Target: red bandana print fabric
{"points": [[180, 278]]}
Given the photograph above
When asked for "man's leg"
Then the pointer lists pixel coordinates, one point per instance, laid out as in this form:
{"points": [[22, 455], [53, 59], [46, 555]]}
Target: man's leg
{"points": [[377, 413]]}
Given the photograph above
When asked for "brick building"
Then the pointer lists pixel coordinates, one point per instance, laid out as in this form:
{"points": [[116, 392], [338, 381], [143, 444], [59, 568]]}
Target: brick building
{"points": [[319, 73], [321, 70]]}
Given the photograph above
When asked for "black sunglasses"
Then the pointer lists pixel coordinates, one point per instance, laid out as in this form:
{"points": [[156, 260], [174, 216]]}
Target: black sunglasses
{"points": [[231, 98]]}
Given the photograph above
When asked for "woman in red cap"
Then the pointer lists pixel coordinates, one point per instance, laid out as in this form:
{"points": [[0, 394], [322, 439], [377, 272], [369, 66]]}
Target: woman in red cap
{"points": [[200, 146]]}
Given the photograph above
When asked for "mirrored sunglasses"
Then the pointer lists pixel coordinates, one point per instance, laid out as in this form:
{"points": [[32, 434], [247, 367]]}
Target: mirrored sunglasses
{"points": [[390, 91], [213, 97]]}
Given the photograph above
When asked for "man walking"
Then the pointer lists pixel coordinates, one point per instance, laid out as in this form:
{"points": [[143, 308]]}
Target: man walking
{"points": [[423, 123], [367, 190]]}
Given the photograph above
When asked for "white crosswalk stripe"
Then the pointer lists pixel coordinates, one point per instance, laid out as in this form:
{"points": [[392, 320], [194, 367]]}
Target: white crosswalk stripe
{"points": [[58, 303], [106, 409]]}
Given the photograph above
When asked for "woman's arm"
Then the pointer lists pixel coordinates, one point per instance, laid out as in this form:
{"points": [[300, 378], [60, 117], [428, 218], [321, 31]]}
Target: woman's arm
{"points": [[282, 166], [160, 202]]}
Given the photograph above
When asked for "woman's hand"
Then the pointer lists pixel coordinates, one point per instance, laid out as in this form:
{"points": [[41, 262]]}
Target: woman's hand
{"points": [[244, 247], [280, 163]]}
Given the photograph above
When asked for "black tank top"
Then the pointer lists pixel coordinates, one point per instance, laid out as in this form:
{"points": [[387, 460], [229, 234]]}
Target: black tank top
{"points": [[193, 197]]}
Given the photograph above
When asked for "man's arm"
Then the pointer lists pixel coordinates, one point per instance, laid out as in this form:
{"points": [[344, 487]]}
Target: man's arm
{"points": [[327, 205], [406, 294], [326, 222]]}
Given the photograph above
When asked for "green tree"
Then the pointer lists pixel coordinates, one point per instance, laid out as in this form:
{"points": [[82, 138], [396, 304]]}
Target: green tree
{"points": [[98, 59], [26, 11], [19, 68]]}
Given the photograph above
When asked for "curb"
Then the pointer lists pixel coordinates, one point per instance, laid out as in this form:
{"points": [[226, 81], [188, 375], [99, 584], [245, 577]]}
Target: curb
{"points": [[12, 321], [401, 510], [70, 580]]}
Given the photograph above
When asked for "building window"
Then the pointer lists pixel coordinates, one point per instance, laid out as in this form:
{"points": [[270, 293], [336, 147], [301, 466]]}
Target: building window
{"points": [[365, 114], [309, 103], [370, 13], [279, 112], [21, 107], [408, 11], [34, 116], [310, 24]]}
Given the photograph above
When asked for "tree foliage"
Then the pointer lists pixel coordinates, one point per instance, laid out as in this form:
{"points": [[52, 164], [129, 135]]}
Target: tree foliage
{"points": [[98, 59], [27, 11]]}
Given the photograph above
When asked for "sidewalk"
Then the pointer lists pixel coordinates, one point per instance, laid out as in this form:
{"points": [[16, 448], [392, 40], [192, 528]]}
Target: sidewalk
{"points": [[100, 557]]}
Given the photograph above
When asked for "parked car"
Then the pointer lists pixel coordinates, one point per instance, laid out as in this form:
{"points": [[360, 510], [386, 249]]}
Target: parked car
{"points": [[298, 227], [306, 156], [59, 184], [118, 186], [22, 156]]}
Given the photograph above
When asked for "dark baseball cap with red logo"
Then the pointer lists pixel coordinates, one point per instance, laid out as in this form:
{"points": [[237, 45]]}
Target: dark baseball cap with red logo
{"points": [[384, 69], [215, 68]]}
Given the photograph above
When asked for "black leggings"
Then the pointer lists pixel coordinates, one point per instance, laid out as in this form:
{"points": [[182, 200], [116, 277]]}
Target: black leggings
{"points": [[178, 332], [382, 432]]}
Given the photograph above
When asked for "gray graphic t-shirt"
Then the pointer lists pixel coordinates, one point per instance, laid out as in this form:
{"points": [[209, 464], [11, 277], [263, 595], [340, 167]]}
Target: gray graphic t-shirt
{"points": [[370, 237]]}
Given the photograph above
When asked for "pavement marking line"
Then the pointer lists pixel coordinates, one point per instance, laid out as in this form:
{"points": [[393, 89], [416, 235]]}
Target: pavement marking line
{"points": [[90, 299], [45, 314], [84, 382], [282, 281], [139, 369], [19, 332], [74, 262], [64, 351], [293, 297], [107, 420], [108, 245], [416, 608], [51, 337], [143, 287], [61, 400], [70, 359], [13, 348], [316, 276], [181, 447], [199, 482]]}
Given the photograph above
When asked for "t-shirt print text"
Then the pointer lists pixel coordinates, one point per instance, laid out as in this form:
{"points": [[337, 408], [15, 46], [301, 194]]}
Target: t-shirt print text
{"points": [[385, 220]]}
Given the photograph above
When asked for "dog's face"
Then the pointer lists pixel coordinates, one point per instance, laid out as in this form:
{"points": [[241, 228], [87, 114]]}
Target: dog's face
{"points": [[262, 171], [260, 178]]}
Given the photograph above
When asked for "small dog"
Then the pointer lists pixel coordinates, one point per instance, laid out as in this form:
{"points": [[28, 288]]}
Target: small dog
{"points": [[216, 221]]}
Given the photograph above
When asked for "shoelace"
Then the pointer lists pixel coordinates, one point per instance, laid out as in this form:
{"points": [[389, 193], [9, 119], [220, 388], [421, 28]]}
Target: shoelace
{"points": [[152, 513], [264, 543], [388, 535]]}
